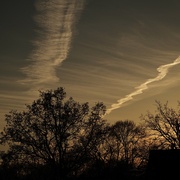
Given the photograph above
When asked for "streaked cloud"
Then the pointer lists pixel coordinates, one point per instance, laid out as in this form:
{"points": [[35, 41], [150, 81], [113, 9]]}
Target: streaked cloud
{"points": [[55, 24]]}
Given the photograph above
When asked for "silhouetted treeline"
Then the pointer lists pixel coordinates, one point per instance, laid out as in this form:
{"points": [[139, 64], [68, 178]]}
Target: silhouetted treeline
{"points": [[59, 138]]}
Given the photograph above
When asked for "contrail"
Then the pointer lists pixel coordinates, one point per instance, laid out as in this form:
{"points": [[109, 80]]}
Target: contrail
{"points": [[163, 71], [55, 21]]}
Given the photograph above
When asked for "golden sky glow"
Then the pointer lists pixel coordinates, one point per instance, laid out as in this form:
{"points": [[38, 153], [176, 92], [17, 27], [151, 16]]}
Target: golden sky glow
{"points": [[123, 53]]}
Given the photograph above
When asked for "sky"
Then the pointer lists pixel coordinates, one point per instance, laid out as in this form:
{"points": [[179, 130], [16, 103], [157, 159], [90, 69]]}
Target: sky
{"points": [[124, 53]]}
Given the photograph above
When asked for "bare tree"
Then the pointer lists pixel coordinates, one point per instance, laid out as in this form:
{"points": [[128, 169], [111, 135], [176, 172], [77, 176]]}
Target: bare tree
{"points": [[164, 125], [126, 138]]}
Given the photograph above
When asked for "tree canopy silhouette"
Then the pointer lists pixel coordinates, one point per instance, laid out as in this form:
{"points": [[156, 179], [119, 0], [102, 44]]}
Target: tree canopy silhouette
{"points": [[54, 131], [59, 138]]}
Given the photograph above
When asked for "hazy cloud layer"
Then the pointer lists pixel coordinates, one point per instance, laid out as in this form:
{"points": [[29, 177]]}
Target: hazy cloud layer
{"points": [[119, 46]]}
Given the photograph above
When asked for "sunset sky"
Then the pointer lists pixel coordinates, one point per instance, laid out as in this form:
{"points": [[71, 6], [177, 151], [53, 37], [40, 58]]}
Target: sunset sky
{"points": [[124, 53]]}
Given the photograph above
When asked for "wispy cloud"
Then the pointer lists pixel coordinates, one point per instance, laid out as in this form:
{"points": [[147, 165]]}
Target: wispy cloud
{"points": [[163, 71], [55, 22]]}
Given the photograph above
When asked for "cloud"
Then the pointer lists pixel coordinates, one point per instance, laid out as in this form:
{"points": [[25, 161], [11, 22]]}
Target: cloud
{"points": [[55, 21], [163, 71]]}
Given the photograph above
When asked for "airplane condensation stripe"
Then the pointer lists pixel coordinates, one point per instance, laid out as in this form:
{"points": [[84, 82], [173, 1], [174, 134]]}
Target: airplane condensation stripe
{"points": [[163, 71]]}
